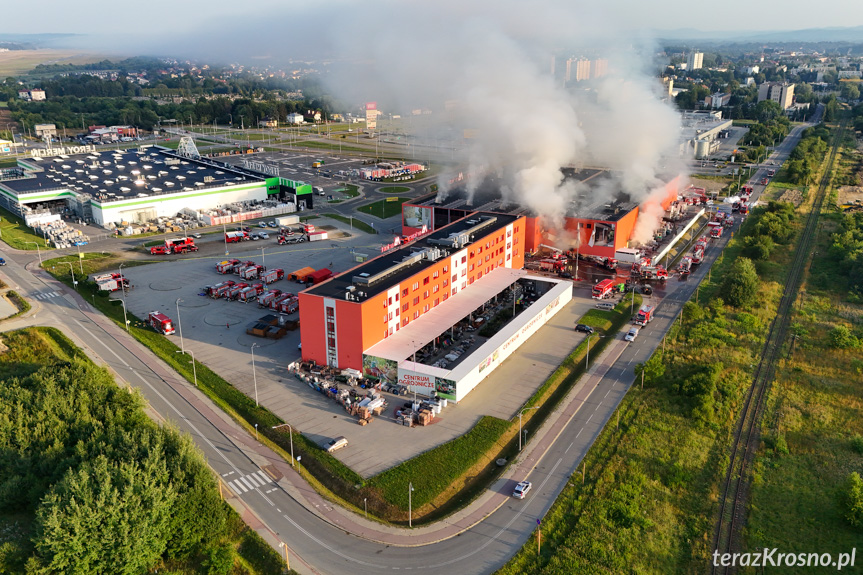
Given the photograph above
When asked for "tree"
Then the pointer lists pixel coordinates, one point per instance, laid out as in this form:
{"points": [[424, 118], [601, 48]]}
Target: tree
{"points": [[653, 369], [850, 91], [767, 111], [851, 496], [740, 287], [842, 338]]}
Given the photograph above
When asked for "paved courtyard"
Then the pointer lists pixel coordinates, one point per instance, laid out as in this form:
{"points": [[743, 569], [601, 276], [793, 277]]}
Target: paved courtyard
{"points": [[214, 331]]}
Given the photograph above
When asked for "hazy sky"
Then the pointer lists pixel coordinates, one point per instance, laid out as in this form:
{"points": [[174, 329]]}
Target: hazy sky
{"points": [[154, 17]]}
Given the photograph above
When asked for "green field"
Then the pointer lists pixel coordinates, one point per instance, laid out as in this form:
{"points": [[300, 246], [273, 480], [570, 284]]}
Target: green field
{"points": [[394, 189], [383, 209]]}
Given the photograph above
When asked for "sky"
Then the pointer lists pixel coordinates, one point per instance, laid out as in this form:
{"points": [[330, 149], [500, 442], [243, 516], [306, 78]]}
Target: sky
{"points": [[155, 17]]}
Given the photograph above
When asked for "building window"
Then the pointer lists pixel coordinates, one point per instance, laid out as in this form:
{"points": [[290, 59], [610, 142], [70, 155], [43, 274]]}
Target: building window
{"points": [[397, 297], [515, 252], [389, 301], [463, 259], [509, 233], [330, 312], [417, 300], [390, 316], [416, 286], [445, 269], [445, 295], [463, 273], [479, 275], [435, 289], [479, 251], [471, 267], [416, 314], [391, 331], [436, 301], [508, 257], [463, 285], [445, 283], [404, 307], [435, 275], [397, 312], [426, 294], [425, 280], [331, 342], [426, 308], [470, 280], [405, 292]]}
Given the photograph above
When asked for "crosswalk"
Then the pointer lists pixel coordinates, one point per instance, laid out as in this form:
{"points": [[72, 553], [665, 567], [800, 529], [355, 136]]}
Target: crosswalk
{"points": [[247, 482], [46, 295]]}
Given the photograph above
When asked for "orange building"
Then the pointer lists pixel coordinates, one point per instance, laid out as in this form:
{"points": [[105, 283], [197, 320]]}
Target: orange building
{"points": [[598, 227], [344, 316]]}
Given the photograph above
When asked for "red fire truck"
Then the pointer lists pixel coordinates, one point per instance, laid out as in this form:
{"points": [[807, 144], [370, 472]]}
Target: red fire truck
{"points": [[603, 289], [644, 315], [160, 322]]}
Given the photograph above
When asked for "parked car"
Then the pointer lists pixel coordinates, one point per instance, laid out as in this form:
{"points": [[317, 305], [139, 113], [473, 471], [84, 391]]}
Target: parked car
{"points": [[583, 328], [262, 224], [255, 237], [264, 235], [2, 262], [196, 236], [272, 223], [631, 334], [337, 443], [521, 489]]}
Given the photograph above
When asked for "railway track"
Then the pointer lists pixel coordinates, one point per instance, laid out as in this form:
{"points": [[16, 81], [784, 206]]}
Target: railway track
{"points": [[735, 490]]}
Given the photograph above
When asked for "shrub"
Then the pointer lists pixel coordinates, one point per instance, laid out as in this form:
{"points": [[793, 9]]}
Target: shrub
{"points": [[741, 284], [857, 443], [842, 338], [851, 500]]}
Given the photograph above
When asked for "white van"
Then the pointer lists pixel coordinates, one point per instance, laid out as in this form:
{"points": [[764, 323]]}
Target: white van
{"points": [[605, 305]]}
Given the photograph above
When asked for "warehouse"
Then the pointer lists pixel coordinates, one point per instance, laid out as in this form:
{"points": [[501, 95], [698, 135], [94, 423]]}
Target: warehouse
{"points": [[599, 226], [416, 299], [135, 185]]}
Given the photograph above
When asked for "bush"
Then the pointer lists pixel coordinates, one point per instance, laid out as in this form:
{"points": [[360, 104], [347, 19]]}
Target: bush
{"points": [[857, 443], [851, 500], [842, 338], [741, 284], [757, 248]]}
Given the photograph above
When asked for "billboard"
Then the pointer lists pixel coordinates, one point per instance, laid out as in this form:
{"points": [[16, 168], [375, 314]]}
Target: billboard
{"points": [[384, 370], [371, 115], [417, 382], [445, 388], [417, 216]]}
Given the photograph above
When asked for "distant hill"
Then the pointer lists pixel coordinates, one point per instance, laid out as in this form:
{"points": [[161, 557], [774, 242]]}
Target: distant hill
{"points": [[834, 34]]}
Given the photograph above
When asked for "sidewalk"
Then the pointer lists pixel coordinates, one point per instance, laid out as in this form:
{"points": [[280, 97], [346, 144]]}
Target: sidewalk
{"points": [[298, 489]]}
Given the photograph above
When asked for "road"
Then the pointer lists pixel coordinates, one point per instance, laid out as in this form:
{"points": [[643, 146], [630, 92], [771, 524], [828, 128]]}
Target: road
{"points": [[333, 540]]}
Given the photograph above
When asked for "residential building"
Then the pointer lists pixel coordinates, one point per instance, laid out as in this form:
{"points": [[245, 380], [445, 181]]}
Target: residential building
{"points": [[694, 61], [780, 92]]}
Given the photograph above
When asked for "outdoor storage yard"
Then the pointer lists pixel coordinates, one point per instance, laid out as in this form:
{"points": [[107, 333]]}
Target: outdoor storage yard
{"points": [[214, 330]]}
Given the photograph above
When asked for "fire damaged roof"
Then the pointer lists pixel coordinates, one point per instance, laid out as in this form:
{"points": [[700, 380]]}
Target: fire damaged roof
{"points": [[489, 197]]}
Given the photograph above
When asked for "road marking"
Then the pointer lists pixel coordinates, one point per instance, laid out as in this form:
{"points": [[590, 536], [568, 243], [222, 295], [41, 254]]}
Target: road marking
{"points": [[45, 295], [228, 473], [568, 448], [579, 432], [252, 479], [607, 392], [247, 482], [591, 417], [237, 486]]}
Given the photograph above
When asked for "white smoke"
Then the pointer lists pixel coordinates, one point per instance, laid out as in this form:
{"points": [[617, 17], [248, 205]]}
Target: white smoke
{"points": [[492, 59]]}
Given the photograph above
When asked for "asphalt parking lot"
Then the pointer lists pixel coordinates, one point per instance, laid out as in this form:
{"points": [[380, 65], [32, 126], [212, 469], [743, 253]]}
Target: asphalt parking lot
{"points": [[214, 332]]}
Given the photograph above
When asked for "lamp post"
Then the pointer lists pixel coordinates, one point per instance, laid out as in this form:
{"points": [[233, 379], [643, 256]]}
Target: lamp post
{"points": [[72, 271], [38, 251], [180, 325], [263, 257], [299, 457], [194, 368], [587, 356], [255, 375], [123, 287], [519, 423], [410, 504], [366, 506], [80, 259]]}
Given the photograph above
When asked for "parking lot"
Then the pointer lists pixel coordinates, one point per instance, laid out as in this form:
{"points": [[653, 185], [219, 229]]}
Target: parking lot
{"points": [[214, 331]]}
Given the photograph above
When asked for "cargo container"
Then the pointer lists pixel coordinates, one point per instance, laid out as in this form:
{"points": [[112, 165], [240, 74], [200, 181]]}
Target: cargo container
{"points": [[284, 221], [317, 236]]}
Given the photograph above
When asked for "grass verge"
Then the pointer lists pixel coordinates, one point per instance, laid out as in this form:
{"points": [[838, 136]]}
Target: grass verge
{"points": [[17, 235], [394, 189], [383, 209], [22, 304], [358, 224]]}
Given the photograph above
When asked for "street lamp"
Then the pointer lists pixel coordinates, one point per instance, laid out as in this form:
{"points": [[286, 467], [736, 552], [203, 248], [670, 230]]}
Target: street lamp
{"points": [[587, 357], [263, 257], [180, 325], [519, 423], [80, 259], [410, 504], [194, 368], [125, 321], [38, 251], [71, 271], [255, 375], [225, 229], [123, 287]]}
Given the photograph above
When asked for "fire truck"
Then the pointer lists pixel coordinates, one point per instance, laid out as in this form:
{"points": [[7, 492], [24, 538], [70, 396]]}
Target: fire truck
{"points": [[233, 237], [227, 266], [232, 293], [160, 322], [603, 289], [215, 291], [685, 266], [289, 305], [252, 272], [552, 265], [275, 303], [729, 222], [181, 245], [698, 254], [272, 276], [609, 264], [715, 229], [644, 315], [265, 299], [654, 273], [250, 293], [238, 269], [111, 281], [159, 251], [746, 189]]}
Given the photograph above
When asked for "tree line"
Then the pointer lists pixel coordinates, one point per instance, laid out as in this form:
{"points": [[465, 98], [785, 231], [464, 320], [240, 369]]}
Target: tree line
{"points": [[107, 490]]}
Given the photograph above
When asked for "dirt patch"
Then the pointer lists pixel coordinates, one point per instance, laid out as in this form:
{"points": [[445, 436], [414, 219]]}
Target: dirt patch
{"points": [[710, 186], [793, 196], [850, 195]]}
